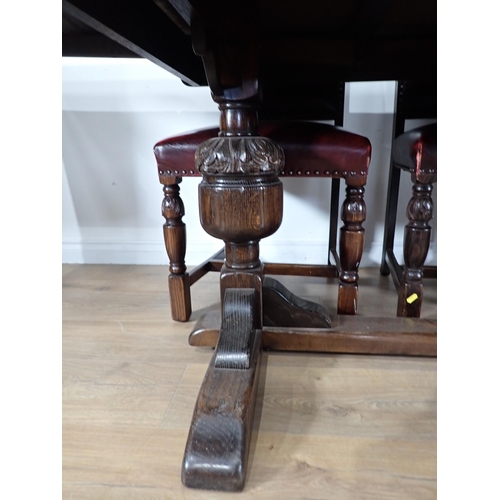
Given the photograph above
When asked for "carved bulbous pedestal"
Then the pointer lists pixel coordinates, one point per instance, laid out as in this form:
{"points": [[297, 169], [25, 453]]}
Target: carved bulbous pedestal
{"points": [[241, 196]]}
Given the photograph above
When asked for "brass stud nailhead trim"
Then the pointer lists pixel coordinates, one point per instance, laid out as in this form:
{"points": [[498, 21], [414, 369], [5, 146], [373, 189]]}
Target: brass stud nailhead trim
{"points": [[291, 172]]}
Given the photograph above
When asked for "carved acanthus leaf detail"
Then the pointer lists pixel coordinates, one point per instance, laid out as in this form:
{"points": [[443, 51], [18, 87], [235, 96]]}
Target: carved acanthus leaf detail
{"points": [[421, 206], [172, 206], [239, 155]]}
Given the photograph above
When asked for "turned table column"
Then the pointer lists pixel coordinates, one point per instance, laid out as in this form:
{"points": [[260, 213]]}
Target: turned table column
{"points": [[241, 201], [240, 196]]}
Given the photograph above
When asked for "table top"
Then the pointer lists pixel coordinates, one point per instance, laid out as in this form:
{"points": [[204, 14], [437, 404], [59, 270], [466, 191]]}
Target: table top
{"points": [[299, 49]]}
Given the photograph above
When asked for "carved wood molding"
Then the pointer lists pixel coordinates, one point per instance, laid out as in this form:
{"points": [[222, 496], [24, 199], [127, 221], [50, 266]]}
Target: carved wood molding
{"points": [[236, 344], [420, 207], [239, 155], [172, 206]]}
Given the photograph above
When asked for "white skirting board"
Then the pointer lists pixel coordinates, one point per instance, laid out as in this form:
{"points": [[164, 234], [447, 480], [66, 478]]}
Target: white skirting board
{"points": [[140, 252]]}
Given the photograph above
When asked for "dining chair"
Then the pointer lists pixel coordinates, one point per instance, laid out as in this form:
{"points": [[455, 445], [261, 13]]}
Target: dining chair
{"points": [[413, 151], [312, 150]]}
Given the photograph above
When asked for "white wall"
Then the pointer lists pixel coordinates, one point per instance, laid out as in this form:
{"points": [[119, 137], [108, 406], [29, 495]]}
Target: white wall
{"points": [[115, 110]]}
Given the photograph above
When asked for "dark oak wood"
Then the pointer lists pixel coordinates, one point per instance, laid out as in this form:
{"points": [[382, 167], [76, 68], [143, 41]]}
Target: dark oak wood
{"points": [[302, 45], [352, 238], [174, 233], [355, 335], [219, 438], [350, 334], [139, 26], [241, 201], [317, 270], [214, 263], [282, 308]]}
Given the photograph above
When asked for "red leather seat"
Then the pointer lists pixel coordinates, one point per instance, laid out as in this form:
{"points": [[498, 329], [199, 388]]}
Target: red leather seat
{"points": [[311, 150], [416, 151]]}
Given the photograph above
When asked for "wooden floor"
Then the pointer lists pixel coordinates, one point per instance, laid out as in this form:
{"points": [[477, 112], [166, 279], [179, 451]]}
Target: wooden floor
{"points": [[327, 426]]}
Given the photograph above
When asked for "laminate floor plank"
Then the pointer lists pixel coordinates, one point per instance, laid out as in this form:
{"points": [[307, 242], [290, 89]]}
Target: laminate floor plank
{"points": [[326, 426]]}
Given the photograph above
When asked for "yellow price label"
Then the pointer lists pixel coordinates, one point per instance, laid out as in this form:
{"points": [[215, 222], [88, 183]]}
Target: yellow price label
{"points": [[412, 298]]}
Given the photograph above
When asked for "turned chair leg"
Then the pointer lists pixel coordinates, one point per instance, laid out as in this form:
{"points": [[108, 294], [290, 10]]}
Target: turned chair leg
{"points": [[174, 233], [416, 246], [352, 236]]}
